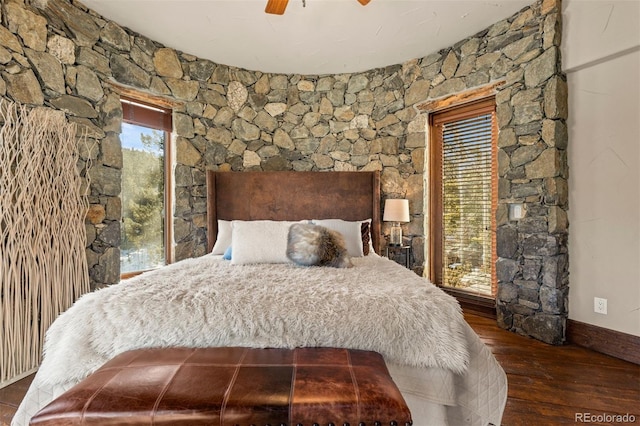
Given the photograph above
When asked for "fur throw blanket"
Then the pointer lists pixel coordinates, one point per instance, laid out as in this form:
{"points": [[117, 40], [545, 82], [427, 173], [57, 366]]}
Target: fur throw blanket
{"points": [[314, 245], [376, 305]]}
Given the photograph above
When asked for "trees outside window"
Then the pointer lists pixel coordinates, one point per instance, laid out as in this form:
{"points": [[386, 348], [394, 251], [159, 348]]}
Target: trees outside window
{"points": [[145, 232], [464, 198]]}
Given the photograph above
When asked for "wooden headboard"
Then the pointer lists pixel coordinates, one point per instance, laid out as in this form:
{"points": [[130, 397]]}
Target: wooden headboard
{"points": [[288, 195]]}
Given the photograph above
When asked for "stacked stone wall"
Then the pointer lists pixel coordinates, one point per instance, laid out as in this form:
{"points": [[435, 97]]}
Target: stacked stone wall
{"points": [[60, 54]]}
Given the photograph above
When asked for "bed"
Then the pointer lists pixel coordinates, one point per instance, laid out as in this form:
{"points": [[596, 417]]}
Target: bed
{"points": [[445, 373]]}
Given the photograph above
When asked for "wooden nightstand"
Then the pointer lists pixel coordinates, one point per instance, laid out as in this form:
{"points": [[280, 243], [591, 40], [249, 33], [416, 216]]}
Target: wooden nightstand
{"points": [[397, 253]]}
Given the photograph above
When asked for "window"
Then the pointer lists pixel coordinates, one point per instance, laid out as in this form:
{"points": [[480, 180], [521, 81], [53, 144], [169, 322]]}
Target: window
{"points": [[464, 198], [146, 165]]}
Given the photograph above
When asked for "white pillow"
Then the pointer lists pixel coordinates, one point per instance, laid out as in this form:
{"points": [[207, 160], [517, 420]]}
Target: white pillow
{"points": [[259, 241], [223, 240], [351, 231]]}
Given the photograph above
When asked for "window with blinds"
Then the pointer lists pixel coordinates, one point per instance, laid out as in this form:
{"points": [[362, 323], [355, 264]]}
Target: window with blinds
{"points": [[464, 198], [146, 241]]}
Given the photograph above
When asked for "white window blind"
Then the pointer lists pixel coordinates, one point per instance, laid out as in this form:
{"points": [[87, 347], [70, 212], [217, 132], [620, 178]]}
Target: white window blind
{"points": [[468, 189]]}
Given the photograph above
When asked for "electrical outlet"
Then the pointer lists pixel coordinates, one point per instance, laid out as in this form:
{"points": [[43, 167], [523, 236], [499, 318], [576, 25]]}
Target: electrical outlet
{"points": [[600, 305]]}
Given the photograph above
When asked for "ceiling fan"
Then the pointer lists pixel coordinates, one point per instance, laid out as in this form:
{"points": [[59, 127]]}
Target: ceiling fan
{"points": [[277, 7]]}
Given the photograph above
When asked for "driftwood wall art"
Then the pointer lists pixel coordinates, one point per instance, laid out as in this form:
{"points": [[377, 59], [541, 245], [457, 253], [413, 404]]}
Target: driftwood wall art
{"points": [[43, 203]]}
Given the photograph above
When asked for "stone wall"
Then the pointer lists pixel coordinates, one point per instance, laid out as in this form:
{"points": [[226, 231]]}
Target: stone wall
{"points": [[60, 54], [523, 54]]}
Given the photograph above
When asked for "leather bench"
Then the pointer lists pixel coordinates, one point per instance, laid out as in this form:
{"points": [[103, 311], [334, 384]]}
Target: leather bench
{"points": [[234, 386]]}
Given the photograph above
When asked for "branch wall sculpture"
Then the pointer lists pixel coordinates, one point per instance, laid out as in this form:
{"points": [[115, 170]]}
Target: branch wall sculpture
{"points": [[43, 203]]}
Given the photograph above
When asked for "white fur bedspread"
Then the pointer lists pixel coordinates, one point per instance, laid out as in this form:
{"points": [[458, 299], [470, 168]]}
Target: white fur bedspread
{"points": [[376, 305]]}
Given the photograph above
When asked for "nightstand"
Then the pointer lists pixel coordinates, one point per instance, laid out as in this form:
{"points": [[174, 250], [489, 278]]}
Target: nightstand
{"points": [[396, 253]]}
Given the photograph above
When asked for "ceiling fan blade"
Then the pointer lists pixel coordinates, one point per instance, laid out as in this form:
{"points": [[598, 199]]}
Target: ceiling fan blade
{"points": [[277, 7], [364, 2]]}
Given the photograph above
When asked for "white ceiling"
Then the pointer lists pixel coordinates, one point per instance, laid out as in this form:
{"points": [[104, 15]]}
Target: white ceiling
{"points": [[324, 37]]}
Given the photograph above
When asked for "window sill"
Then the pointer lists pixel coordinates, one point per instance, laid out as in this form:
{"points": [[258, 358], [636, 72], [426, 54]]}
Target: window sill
{"points": [[471, 302]]}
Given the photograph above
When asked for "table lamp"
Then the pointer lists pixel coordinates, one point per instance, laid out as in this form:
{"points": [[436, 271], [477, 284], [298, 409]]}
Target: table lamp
{"points": [[396, 211]]}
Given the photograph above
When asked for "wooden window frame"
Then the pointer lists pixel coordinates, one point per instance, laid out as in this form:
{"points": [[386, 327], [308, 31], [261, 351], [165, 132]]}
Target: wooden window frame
{"points": [[156, 117], [436, 119]]}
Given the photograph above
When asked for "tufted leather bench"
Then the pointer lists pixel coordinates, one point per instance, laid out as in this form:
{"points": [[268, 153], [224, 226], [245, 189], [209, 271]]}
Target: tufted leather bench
{"points": [[233, 386]]}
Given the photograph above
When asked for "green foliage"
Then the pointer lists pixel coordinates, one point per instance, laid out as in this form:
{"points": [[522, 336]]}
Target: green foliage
{"points": [[466, 215], [453, 276], [143, 197], [153, 142]]}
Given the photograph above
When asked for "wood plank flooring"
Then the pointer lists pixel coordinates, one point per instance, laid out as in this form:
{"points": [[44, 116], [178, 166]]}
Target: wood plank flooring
{"points": [[555, 385], [10, 398], [548, 385]]}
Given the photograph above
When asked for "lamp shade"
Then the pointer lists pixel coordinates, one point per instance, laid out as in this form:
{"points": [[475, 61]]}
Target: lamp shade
{"points": [[396, 210]]}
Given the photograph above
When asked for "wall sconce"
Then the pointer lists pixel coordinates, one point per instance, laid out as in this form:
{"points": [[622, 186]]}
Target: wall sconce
{"points": [[516, 211], [396, 211]]}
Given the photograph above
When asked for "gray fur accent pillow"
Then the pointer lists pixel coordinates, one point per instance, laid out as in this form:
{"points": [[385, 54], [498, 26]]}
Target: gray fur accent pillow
{"points": [[315, 245]]}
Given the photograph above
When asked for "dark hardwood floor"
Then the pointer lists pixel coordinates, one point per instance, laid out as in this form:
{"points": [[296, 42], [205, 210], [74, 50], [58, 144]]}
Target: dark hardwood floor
{"points": [[548, 385], [10, 398], [555, 385]]}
